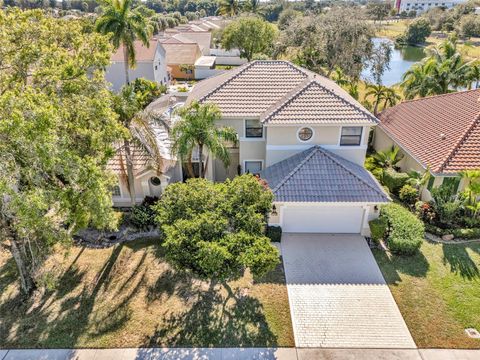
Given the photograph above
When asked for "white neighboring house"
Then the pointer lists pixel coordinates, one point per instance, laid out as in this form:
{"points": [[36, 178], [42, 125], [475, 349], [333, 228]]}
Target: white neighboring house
{"points": [[151, 65], [423, 5]]}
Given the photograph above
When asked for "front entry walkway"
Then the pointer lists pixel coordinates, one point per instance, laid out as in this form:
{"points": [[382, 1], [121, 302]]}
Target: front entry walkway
{"points": [[338, 296]]}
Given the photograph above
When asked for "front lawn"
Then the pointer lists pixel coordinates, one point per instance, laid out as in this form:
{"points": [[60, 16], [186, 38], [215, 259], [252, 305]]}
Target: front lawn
{"points": [[437, 291], [128, 296]]}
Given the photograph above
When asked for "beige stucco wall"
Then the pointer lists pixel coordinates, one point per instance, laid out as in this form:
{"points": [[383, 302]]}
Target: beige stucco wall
{"points": [[287, 135]]}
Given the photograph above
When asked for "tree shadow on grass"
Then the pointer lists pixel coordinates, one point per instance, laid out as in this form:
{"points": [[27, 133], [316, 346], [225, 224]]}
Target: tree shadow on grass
{"points": [[215, 320], [392, 266], [460, 262], [76, 308], [276, 276]]}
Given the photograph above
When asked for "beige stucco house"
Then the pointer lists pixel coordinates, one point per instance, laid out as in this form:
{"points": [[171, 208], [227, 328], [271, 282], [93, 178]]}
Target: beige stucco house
{"points": [[305, 136], [439, 132], [151, 64]]}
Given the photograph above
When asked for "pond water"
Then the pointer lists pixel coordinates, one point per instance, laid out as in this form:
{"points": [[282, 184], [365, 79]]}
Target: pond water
{"points": [[402, 58]]}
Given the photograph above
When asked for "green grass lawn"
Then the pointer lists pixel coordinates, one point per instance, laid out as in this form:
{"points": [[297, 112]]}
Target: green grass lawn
{"points": [[128, 296], [438, 292]]}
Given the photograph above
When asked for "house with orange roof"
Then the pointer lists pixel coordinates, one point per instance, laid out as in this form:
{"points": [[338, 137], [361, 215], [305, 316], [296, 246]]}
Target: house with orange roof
{"points": [[181, 55], [151, 64], [441, 133]]}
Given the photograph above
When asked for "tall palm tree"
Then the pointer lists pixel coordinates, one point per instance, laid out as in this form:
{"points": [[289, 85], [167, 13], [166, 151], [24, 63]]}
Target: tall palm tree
{"points": [[390, 98], [378, 92], [197, 130], [125, 24], [229, 7], [141, 137], [417, 82], [474, 76]]}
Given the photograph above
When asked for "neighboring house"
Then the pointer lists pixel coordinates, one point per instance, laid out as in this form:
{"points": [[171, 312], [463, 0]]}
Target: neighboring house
{"points": [[205, 68], [439, 132], [303, 134], [420, 6], [151, 64], [181, 58], [200, 37]]}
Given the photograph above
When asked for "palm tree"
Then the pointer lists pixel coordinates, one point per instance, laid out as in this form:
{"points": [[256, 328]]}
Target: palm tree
{"points": [[390, 97], [378, 92], [389, 158], [197, 129], [442, 72], [253, 7], [474, 76], [140, 125], [418, 180], [229, 7], [125, 24]]}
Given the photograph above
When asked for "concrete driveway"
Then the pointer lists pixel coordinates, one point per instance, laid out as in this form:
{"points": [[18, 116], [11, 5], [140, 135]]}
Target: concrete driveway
{"points": [[338, 296]]}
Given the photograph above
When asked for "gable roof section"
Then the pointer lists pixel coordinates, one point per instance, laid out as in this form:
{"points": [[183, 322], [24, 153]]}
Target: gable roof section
{"points": [[181, 53], [142, 53], [313, 103], [442, 132], [318, 175], [252, 89]]}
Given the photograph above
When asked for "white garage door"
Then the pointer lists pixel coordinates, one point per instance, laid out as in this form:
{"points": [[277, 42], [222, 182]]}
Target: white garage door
{"points": [[323, 219]]}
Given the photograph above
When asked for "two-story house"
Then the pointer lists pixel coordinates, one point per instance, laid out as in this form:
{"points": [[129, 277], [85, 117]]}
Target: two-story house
{"points": [[151, 64], [305, 136]]}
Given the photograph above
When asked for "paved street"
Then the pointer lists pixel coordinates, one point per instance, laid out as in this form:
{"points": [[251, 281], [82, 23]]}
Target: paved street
{"points": [[338, 297]]}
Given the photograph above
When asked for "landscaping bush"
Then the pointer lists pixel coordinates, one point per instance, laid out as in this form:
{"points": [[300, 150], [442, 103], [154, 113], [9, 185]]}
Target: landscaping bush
{"points": [[143, 216], [378, 229], [408, 194], [405, 232], [394, 180], [274, 233]]}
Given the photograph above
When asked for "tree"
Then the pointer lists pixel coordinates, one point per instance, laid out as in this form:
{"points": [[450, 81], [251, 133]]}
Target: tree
{"points": [[378, 92], [474, 76], [197, 130], [216, 231], [322, 42], [253, 7], [378, 10], [251, 35], [56, 134], [125, 24], [443, 71], [380, 60], [286, 17], [419, 180], [141, 136], [416, 33], [229, 8]]}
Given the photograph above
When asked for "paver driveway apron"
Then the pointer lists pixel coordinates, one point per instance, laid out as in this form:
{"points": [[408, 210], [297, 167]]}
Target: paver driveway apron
{"points": [[338, 296]]}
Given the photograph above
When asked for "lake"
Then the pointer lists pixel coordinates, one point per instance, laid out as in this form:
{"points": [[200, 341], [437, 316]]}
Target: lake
{"points": [[402, 58]]}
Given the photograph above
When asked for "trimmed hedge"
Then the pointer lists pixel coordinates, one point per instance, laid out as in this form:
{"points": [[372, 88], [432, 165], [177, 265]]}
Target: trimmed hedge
{"points": [[274, 233], [408, 194], [378, 229], [394, 180], [405, 232]]}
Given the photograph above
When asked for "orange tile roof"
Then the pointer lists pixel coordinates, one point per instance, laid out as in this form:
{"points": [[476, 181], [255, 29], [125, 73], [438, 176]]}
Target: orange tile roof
{"points": [[442, 132]]}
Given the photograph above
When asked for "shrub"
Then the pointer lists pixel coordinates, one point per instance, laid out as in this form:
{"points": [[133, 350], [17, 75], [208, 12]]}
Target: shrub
{"points": [[394, 180], [408, 194], [405, 232], [378, 229], [143, 216], [274, 233]]}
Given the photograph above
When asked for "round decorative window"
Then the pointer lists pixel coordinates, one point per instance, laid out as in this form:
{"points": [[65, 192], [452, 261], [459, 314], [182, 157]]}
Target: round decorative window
{"points": [[155, 181], [305, 134]]}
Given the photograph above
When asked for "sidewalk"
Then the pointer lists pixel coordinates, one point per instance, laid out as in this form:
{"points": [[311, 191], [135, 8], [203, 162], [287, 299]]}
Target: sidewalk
{"points": [[239, 353]]}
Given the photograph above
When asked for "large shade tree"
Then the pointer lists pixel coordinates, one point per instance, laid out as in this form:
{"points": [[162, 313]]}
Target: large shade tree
{"points": [[251, 35], [216, 231], [125, 24], [196, 129], [321, 43], [57, 128]]}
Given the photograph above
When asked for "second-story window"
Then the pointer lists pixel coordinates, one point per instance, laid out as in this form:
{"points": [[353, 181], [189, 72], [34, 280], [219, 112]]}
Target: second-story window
{"points": [[253, 129], [351, 136]]}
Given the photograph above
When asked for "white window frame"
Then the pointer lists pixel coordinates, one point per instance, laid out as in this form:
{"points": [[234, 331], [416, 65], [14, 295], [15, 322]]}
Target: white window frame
{"points": [[120, 187], [362, 137], [305, 141], [245, 138], [244, 170]]}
